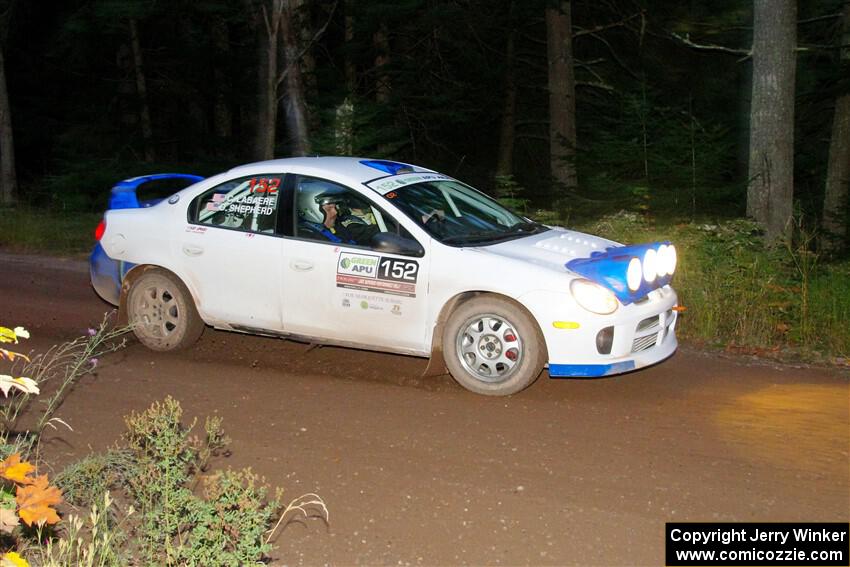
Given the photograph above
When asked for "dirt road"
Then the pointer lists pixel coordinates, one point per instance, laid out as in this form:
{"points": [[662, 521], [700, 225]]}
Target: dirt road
{"points": [[419, 471]]}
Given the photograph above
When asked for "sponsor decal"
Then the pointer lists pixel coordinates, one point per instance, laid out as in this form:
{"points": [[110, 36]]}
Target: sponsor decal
{"points": [[396, 310], [173, 199], [196, 229], [384, 185], [380, 274], [364, 305], [346, 302]]}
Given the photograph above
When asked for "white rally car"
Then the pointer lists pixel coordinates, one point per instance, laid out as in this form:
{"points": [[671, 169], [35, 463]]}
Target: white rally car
{"points": [[386, 256]]}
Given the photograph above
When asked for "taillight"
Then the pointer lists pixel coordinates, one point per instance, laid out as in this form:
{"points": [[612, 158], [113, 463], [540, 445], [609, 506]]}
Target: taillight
{"points": [[101, 228]]}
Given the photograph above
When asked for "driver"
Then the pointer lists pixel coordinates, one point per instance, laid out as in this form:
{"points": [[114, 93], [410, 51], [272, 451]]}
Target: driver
{"points": [[338, 224]]}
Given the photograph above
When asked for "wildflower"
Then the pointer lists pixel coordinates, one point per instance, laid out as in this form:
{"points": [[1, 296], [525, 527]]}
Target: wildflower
{"points": [[93, 362], [91, 332], [26, 385]]}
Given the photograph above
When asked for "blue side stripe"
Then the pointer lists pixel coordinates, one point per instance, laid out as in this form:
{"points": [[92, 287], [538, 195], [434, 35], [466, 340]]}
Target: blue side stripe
{"points": [[589, 370]]}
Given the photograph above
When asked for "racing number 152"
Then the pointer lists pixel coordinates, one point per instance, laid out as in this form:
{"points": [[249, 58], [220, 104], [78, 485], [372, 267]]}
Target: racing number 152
{"points": [[397, 270]]}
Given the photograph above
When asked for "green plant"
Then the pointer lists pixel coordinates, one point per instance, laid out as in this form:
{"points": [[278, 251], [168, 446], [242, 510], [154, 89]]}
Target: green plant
{"points": [[226, 525]]}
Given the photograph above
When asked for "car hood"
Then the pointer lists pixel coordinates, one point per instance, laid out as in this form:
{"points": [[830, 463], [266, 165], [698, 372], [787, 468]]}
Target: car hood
{"points": [[551, 249]]}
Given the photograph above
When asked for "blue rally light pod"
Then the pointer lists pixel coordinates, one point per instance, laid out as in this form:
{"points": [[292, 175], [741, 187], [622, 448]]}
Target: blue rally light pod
{"points": [[616, 270]]}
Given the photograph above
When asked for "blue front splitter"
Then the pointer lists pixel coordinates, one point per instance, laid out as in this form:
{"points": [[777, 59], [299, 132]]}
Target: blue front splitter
{"points": [[589, 370]]}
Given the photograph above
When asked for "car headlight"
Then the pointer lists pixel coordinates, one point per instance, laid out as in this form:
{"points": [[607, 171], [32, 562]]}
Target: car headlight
{"points": [[593, 297], [650, 259], [634, 274]]}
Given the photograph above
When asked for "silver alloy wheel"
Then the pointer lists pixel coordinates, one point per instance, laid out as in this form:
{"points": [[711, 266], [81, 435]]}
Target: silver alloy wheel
{"points": [[156, 311], [489, 348]]}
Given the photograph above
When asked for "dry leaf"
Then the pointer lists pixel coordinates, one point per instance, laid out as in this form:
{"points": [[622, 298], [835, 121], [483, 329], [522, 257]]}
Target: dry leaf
{"points": [[15, 470], [8, 520], [35, 501]]}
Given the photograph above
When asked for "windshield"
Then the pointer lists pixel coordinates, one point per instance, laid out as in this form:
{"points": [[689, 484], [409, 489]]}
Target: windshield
{"points": [[458, 215]]}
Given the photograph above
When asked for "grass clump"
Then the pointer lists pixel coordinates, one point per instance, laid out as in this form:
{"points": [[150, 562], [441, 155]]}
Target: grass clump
{"points": [[48, 232]]}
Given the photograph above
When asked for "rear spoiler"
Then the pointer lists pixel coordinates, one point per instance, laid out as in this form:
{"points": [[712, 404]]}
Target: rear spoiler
{"points": [[123, 194]]}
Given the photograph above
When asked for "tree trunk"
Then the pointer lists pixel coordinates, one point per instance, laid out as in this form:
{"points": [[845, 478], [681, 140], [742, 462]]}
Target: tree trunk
{"points": [[562, 102], [344, 120], [835, 205], [142, 92], [382, 60], [295, 106], [771, 172], [8, 177], [264, 21], [504, 165]]}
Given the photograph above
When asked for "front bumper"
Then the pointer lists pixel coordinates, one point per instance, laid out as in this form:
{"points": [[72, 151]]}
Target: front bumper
{"points": [[644, 334]]}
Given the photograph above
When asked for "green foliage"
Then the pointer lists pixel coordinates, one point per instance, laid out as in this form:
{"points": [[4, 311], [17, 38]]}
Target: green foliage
{"points": [[226, 525], [56, 233], [229, 523]]}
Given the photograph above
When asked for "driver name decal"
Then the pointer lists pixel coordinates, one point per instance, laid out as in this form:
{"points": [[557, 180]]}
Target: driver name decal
{"points": [[365, 272]]}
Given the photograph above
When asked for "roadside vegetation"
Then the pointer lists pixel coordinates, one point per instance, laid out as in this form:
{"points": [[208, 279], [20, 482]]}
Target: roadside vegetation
{"points": [[152, 499]]}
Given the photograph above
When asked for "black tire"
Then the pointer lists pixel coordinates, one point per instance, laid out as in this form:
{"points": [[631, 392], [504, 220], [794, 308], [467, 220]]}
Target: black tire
{"points": [[162, 312], [493, 346]]}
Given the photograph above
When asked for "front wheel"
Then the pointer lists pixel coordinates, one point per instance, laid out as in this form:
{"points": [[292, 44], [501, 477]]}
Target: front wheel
{"points": [[162, 313], [493, 346]]}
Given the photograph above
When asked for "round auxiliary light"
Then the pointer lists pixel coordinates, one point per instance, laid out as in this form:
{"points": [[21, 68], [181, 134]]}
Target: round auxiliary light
{"points": [[671, 259], [650, 260], [662, 262], [634, 274]]}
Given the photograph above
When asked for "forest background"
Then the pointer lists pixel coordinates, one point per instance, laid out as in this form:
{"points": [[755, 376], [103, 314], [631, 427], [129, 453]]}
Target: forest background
{"points": [[722, 125]]}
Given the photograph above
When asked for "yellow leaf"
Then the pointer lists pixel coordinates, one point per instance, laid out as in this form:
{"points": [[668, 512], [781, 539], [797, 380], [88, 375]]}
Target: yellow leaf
{"points": [[7, 335], [35, 501], [12, 559], [15, 470]]}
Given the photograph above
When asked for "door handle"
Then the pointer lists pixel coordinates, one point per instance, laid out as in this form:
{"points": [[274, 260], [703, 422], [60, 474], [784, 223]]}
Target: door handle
{"points": [[191, 250], [301, 265]]}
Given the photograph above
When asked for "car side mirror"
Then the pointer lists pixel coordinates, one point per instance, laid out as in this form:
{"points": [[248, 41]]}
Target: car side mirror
{"points": [[393, 243]]}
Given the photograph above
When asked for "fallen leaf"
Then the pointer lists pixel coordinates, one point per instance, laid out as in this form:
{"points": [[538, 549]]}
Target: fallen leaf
{"points": [[15, 470], [35, 501], [8, 520]]}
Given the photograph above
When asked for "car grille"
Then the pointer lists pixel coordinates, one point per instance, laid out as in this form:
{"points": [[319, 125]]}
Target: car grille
{"points": [[643, 343], [647, 323]]}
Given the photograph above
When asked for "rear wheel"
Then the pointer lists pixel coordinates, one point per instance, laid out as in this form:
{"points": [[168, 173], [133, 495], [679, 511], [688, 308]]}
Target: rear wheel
{"points": [[162, 312], [493, 346]]}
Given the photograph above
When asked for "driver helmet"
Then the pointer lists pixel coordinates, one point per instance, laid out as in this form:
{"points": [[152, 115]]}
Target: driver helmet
{"points": [[313, 195]]}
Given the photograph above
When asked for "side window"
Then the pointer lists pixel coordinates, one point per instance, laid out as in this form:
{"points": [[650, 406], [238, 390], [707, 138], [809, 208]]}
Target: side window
{"points": [[248, 204], [328, 212]]}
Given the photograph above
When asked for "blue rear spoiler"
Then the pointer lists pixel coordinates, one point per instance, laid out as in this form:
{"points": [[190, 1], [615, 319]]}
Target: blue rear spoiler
{"points": [[123, 194]]}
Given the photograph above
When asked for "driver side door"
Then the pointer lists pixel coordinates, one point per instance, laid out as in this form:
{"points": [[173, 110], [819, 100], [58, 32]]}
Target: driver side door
{"points": [[349, 291]]}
